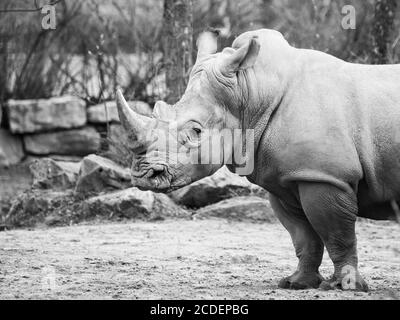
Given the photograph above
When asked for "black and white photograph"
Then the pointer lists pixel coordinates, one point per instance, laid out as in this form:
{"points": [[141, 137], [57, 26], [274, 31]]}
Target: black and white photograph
{"points": [[199, 150]]}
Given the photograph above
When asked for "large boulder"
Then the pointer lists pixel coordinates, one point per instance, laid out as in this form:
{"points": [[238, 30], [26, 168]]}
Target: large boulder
{"points": [[221, 185], [98, 174], [251, 208], [108, 112], [133, 203], [50, 174], [78, 142], [29, 116], [47, 207], [14, 179], [11, 149], [56, 157]]}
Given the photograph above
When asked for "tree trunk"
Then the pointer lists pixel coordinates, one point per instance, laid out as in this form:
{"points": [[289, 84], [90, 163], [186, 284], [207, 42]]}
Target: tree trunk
{"points": [[177, 46], [385, 11]]}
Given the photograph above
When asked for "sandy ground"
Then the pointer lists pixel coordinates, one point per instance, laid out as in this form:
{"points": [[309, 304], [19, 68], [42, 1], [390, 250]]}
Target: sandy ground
{"points": [[179, 260]]}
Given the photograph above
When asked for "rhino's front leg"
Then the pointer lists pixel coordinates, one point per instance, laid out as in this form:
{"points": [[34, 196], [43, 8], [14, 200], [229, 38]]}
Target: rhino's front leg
{"points": [[308, 245], [333, 213]]}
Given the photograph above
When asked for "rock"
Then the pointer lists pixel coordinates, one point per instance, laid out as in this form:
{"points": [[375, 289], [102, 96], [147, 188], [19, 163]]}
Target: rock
{"points": [[221, 185], [133, 203], [249, 208], [165, 207], [13, 180], [11, 149], [58, 157], [50, 174], [53, 220], [99, 174], [55, 157], [48, 207], [29, 116], [78, 142], [97, 114], [41, 206]]}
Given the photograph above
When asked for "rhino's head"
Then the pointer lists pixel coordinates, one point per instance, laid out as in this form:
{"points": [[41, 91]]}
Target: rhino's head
{"points": [[181, 143]]}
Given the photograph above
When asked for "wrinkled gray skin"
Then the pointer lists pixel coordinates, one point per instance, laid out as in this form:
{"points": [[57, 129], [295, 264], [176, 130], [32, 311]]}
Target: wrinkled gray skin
{"points": [[327, 141]]}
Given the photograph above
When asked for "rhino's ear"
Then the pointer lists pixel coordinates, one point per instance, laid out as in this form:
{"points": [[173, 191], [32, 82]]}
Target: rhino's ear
{"points": [[242, 58], [207, 43]]}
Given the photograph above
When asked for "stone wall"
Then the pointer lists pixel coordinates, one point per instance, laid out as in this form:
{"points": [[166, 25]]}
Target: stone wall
{"points": [[60, 127]]}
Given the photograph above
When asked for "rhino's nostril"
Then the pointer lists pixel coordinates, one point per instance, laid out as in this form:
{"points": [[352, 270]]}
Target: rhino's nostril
{"points": [[158, 172], [154, 172]]}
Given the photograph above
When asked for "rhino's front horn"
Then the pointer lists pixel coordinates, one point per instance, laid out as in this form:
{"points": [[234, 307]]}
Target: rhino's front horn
{"points": [[136, 125]]}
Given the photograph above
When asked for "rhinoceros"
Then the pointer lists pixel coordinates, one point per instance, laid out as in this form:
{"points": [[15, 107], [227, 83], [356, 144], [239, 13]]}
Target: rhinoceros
{"points": [[325, 135]]}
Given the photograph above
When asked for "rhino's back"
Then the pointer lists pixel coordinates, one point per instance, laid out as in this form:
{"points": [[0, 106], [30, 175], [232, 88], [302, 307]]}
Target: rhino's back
{"points": [[339, 123]]}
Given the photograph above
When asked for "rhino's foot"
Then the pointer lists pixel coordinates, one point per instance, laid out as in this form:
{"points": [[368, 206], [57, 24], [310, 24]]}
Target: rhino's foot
{"points": [[301, 280], [343, 283]]}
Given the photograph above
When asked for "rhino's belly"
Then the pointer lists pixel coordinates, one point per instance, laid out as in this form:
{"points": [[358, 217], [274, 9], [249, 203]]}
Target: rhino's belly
{"points": [[378, 211], [375, 199]]}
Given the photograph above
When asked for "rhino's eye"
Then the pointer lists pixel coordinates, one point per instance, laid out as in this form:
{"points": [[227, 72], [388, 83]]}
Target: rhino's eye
{"points": [[191, 138], [193, 134]]}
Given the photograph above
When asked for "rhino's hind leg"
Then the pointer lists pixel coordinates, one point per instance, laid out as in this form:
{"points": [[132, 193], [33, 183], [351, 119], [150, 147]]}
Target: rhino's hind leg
{"points": [[332, 213], [308, 245]]}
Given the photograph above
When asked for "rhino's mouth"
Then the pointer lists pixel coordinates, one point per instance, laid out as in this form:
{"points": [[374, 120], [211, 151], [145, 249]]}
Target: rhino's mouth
{"points": [[155, 177]]}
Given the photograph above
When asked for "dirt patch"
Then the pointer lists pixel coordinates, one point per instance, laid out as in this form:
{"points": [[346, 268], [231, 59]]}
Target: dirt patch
{"points": [[179, 260]]}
